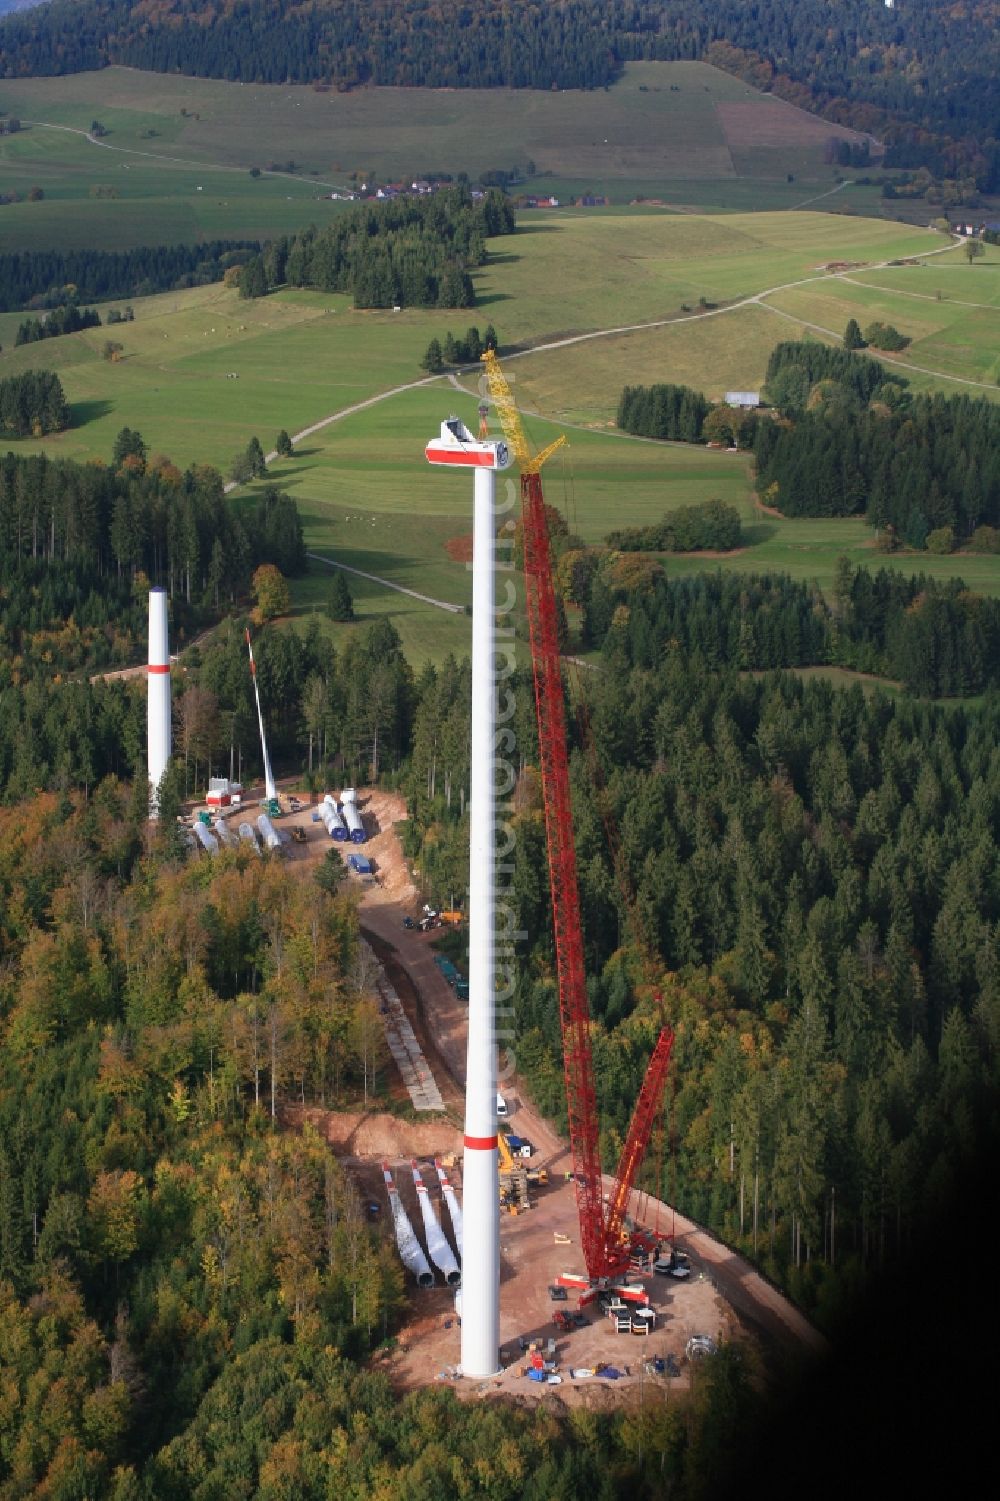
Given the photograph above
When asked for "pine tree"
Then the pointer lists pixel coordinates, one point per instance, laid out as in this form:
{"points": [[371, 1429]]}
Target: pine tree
{"points": [[852, 335], [128, 443], [255, 458], [432, 361], [340, 604], [283, 445], [253, 282]]}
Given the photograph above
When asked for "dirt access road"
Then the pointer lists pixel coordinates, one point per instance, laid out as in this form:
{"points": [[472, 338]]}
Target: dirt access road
{"points": [[383, 907], [726, 1296]]}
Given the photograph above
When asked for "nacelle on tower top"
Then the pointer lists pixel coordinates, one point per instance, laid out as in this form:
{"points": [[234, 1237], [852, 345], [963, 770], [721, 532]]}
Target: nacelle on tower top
{"points": [[456, 445]]}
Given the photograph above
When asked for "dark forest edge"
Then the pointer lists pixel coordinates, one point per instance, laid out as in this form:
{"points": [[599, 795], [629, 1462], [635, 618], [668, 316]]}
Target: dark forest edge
{"points": [[853, 439], [45, 279], [844, 436], [81, 543], [919, 77]]}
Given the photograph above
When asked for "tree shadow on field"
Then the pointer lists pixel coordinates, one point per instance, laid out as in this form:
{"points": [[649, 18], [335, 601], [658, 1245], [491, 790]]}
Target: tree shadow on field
{"points": [[311, 519], [288, 479], [757, 532], [82, 412], [503, 258], [484, 301], [537, 229]]}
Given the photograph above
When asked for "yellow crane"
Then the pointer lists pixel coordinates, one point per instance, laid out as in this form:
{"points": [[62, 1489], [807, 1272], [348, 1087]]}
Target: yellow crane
{"points": [[510, 419]]}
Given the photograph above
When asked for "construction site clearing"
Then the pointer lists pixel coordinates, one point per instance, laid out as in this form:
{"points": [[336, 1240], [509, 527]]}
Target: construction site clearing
{"points": [[596, 1358], [589, 1364], [592, 1364]]}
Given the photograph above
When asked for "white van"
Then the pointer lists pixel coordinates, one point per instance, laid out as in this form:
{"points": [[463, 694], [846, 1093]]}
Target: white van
{"points": [[501, 1108]]}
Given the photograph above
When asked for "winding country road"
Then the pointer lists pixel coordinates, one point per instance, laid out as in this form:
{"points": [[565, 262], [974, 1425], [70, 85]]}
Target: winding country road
{"points": [[562, 343]]}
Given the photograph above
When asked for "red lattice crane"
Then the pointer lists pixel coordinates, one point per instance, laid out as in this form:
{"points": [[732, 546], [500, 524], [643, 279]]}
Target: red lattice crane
{"points": [[605, 1247]]}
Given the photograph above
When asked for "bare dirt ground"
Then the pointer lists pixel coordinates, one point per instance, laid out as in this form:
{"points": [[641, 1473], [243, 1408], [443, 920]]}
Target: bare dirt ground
{"points": [[459, 549], [724, 1297], [531, 1259], [376, 1136]]}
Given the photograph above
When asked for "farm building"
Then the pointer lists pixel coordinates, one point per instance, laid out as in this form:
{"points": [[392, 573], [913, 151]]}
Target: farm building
{"points": [[742, 398]]}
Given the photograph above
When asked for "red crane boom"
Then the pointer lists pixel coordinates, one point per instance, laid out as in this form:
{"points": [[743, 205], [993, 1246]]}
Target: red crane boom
{"points": [[604, 1249], [581, 1098], [636, 1143], [601, 1236]]}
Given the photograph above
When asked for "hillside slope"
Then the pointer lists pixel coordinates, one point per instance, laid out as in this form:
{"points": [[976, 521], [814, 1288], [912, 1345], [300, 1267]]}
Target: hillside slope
{"points": [[922, 75]]}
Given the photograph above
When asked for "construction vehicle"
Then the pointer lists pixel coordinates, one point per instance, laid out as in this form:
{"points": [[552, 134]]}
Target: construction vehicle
{"points": [[513, 1179], [508, 1162], [604, 1238], [299, 834], [517, 1146], [512, 1155]]}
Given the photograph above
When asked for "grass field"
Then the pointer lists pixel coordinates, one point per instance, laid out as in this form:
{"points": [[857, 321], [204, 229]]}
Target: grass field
{"points": [[369, 500], [300, 356], [680, 132], [366, 494], [611, 270]]}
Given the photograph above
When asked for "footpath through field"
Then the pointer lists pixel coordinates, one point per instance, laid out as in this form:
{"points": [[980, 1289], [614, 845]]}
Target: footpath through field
{"points": [[178, 161], [601, 333]]}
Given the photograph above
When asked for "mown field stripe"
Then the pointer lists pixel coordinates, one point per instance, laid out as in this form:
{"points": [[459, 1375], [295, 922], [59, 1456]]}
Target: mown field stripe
{"points": [[426, 599], [893, 362]]}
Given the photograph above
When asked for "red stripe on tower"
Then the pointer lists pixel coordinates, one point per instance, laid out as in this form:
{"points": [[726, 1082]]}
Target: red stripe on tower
{"points": [[481, 1143]]}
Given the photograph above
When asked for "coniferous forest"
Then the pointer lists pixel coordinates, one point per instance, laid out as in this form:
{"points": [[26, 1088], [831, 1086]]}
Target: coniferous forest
{"points": [[857, 440], [921, 76], [409, 252], [40, 278], [803, 879], [32, 402], [64, 319], [845, 436]]}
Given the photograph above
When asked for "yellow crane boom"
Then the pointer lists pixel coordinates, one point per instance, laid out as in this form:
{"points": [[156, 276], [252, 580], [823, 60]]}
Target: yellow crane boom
{"points": [[510, 419]]}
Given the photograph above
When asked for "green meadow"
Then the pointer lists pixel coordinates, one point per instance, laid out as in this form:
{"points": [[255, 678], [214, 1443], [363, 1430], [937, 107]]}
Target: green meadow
{"points": [[683, 134], [202, 371], [369, 500]]}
